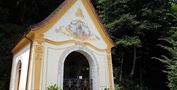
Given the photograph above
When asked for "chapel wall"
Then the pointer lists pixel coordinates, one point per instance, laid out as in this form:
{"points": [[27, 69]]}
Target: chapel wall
{"points": [[51, 72], [23, 57]]}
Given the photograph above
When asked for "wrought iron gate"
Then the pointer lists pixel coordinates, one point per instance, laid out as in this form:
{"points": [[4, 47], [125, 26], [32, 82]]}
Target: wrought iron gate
{"points": [[77, 84]]}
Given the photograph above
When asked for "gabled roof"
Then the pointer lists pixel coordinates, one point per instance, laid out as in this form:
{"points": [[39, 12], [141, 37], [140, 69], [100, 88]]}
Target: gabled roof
{"points": [[47, 23]]}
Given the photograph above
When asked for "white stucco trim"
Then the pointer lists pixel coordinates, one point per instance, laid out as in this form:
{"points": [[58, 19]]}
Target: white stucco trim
{"points": [[94, 73]]}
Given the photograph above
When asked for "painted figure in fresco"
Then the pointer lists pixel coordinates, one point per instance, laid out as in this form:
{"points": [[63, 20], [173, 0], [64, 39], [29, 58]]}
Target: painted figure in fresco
{"points": [[78, 30]]}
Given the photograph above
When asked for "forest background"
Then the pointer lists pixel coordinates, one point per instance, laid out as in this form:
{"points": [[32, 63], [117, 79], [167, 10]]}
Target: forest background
{"points": [[144, 31]]}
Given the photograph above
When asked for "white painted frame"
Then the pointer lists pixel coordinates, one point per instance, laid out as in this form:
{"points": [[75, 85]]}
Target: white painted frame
{"points": [[94, 72], [17, 79]]}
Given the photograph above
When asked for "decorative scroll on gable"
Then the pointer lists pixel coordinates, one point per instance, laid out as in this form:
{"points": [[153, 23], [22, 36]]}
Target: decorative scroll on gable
{"points": [[78, 30]]}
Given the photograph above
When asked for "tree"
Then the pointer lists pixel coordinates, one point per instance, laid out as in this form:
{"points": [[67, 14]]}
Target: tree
{"points": [[136, 26], [171, 60], [15, 17]]}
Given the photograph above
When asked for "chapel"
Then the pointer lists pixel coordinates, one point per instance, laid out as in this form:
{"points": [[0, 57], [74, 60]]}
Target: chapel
{"points": [[70, 49]]}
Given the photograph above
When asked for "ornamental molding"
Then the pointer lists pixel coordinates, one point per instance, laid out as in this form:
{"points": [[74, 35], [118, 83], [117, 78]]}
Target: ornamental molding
{"points": [[78, 30]]}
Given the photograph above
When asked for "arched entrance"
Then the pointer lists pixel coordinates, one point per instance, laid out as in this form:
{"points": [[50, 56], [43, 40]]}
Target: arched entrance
{"points": [[18, 75], [77, 72]]}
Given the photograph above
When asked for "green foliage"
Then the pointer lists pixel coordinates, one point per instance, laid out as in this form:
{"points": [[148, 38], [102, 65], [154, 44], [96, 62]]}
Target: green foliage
{"points": [[131, 23], [136, 27], [171, 66], [128, 41], [171, 61], [106, 89], [174, 10], [54, 87], [117, 87], [124, 19]]}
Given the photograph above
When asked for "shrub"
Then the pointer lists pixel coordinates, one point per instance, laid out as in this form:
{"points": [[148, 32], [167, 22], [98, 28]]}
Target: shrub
{"points": [[54, 87], [106, 89], [117, 87]]}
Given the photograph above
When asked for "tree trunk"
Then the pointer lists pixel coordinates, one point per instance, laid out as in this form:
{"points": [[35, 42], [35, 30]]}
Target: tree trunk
{"points": [[141, 77], [134, 62]]}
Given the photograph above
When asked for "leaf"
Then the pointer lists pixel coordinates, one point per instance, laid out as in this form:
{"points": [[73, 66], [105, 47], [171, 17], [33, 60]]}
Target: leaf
{"points": [[125, 18], [148, 25], [128, 41]]}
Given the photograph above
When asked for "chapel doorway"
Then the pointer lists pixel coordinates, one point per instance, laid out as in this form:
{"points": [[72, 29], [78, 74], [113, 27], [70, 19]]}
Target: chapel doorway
{"points": [[77, 72]]}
